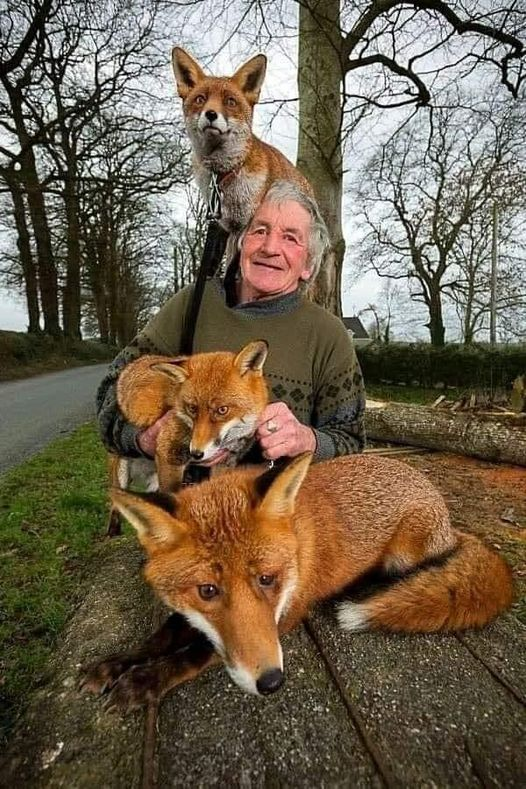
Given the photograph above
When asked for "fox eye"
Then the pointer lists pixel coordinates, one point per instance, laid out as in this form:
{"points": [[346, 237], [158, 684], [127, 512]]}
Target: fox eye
{"points": [[267, 580], [199, 100], [231, 102], [222, 410], [191, 409], [208, 591]]}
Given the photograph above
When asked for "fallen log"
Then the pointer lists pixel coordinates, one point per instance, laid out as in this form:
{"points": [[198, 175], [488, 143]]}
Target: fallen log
{"points": [[462, 433]]}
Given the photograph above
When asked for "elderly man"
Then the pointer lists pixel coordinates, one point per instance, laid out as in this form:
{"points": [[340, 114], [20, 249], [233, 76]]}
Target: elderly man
{"points": [[314, 376]]}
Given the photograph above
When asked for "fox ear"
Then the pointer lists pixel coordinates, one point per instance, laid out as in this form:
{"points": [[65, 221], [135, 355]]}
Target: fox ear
{"points": [[252, 357], [173, 369], [152, 516], [278, 488], [187, 71], [250, 77]]}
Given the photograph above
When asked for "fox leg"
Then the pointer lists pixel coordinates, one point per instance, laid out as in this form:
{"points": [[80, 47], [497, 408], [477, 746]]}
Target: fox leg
{"points": [[119, 473], [170, 477], [151, 681], [171, 455], [176, 633]]}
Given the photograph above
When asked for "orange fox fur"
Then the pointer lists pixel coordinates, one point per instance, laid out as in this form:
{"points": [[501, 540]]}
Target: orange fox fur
{"points": [[218, 114], [242, 557], [214, 399]]}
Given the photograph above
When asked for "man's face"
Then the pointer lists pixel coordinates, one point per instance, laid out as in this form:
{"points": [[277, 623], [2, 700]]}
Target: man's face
{"points": [[274, 252]]}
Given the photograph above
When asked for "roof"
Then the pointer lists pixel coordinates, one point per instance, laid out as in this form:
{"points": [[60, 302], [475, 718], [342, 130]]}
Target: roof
{"points": [[356, 327]]}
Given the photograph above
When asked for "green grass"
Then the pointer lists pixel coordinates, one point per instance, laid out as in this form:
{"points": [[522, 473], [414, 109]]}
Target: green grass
{"points": [[52, 516], [408, 394]]}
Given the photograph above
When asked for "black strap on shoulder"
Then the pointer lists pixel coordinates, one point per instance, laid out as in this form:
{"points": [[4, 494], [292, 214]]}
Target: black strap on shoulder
{"points": [[215, 244]]}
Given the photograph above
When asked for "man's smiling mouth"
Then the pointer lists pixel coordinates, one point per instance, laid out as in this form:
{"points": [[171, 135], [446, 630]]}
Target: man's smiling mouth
{"points": [[264, 264]]}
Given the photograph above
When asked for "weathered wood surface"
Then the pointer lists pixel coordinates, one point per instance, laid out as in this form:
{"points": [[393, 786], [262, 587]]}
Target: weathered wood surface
{"points": [[466, 434]]}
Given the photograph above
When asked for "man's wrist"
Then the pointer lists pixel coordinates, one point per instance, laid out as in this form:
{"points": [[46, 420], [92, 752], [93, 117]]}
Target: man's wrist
{"points": [[310, 440]]}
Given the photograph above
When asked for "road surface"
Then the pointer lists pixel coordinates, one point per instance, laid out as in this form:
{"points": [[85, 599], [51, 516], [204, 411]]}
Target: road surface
{"points": [[37, 410]]}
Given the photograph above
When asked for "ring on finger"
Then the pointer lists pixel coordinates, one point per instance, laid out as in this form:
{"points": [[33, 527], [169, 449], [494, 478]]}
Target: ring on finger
{"points": [[272, 427]]}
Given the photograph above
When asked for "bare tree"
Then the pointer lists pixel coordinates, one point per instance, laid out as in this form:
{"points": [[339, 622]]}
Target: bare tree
{"points": [[386, 54], [421, 192]]}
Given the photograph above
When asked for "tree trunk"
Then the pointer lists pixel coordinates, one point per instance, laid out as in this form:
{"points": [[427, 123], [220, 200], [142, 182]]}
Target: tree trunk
{"points": [[320, 120], [96, 273], [47, 272], [26, 258], [466, 434], [436, 323], [71, 297]]}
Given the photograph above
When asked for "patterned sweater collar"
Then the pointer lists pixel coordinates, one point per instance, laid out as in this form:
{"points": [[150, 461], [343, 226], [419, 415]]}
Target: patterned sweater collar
{"points": [[279, 305]]}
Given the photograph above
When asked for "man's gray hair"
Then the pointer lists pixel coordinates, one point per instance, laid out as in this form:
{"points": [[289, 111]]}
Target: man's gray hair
{"points": [[319, 241]]}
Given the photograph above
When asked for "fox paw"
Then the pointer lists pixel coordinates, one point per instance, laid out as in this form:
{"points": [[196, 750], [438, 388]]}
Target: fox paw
{"points": [[102, 676], [135, 688]]}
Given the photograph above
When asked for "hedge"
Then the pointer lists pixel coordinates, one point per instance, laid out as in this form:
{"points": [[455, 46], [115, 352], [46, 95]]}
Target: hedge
{"points": [[421, 364]]}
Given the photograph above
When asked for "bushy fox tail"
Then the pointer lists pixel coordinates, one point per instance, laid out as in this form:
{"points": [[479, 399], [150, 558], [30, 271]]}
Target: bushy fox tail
{"points": [[466, 588]]}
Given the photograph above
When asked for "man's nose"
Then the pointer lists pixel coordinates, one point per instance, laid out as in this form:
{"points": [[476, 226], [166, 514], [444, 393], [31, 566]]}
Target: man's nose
{"points": [[270, 244]]}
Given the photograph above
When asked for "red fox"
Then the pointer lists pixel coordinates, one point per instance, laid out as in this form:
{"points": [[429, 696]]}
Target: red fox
{"points": [[242, 557], [214, 400], [218, 115]]}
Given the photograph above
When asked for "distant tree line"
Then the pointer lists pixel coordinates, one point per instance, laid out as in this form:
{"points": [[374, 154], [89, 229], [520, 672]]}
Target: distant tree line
{"points": [[86, 149]]}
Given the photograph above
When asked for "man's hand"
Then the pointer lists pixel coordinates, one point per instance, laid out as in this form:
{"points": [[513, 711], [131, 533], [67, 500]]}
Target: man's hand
{"points": [[147, 440], [281, 435]]}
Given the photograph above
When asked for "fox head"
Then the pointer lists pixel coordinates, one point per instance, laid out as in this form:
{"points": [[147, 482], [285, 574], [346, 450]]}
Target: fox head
{"points": [[220, 397], [218, 110], [225, 555]]}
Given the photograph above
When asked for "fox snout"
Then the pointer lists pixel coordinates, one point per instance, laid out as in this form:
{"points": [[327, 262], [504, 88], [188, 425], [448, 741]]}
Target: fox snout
{"points": [[210, 120], [270, 681]]}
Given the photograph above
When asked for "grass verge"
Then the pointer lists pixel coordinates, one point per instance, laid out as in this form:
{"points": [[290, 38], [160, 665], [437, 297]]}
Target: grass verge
{"points": [[52, 514], [23, 355]]}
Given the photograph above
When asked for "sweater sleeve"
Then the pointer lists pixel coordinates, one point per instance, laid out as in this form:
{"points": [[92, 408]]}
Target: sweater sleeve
{"points": [[160, 336], [339, 402]]}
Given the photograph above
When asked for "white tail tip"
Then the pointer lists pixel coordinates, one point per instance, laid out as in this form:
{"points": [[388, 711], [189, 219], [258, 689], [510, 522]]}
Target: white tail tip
{"points": [[352, 616]]}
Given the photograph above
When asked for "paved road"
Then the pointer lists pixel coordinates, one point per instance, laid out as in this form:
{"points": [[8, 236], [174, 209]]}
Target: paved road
{"points": [[36, 410]]}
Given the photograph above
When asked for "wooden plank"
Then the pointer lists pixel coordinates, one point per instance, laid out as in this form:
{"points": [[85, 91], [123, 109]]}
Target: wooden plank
{"points": [[437, 714], [301, 736]]}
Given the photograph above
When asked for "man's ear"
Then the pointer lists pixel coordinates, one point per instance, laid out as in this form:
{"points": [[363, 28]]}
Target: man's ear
{"points": [[250, 77], [175, 369], [153, 517], [252, 357], [186, 70], [278, 487]]}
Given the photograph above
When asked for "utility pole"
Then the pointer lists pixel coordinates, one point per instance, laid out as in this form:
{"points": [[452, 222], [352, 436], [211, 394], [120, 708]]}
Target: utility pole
{"points": [[493, 282]]}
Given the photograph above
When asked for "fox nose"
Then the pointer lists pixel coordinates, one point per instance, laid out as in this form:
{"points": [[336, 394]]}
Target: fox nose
{"points": [[196, 454], [211, 115], [270, 681]]}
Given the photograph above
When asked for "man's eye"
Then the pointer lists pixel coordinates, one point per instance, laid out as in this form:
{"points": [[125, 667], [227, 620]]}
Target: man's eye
{"points": [[222, 410], [207, 591], [291, 238], [267, 580]]}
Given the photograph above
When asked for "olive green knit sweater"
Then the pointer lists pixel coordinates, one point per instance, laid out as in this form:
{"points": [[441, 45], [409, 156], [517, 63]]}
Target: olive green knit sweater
{"points": [[311, 365]]}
